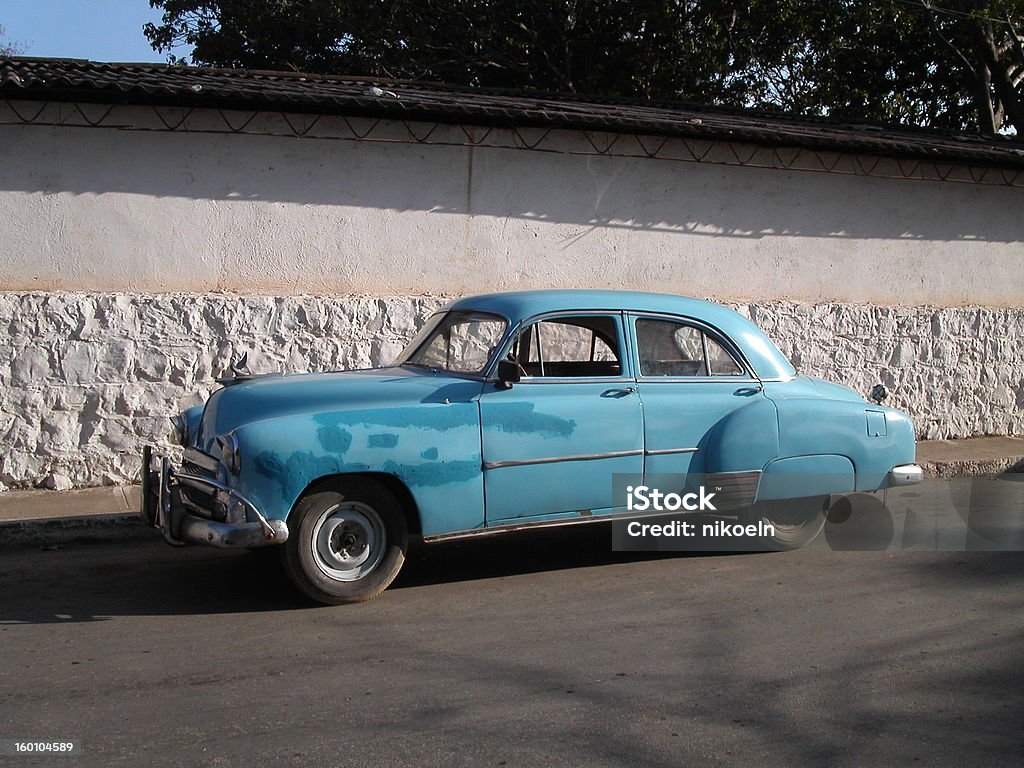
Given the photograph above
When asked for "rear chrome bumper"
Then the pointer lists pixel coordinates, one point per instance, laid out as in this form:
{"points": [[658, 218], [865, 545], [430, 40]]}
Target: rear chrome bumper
{"points": [[183, 521], [905, 474]]}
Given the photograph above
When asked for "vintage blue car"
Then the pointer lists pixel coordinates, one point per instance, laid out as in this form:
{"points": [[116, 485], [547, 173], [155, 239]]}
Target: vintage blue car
{"points": [[515, 410]]}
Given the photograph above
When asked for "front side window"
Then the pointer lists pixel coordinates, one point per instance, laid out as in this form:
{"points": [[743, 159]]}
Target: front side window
{"points": [[671, 348], [460, 342], [569, 347]]}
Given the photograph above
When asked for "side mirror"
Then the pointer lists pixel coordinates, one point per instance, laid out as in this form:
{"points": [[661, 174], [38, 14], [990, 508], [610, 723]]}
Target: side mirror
{"points": [[508, 374]]}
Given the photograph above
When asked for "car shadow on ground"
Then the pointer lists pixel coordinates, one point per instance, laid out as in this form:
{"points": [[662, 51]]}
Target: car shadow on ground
{"points": [[521, 552], [94, 581]]}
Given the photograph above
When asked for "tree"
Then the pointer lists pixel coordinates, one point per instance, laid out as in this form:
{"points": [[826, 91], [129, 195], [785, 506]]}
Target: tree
{"points": [[952, 63], [8, 47], [991, 52]]}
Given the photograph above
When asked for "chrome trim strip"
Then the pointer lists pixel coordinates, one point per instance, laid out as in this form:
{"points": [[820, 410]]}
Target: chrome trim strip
{"points": [[527, 524], [697, 380], [164, 504], [231, 535], [667, 451], [585, 518], [195, 481], [147, 487], [575, 380], [553, 459]]}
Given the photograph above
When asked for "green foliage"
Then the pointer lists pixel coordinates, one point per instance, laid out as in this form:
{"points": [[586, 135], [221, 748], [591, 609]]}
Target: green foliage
{"points": [[957, 65]]}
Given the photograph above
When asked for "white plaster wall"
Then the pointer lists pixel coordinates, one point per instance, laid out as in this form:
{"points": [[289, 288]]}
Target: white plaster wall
{"points": [[108, 210]]}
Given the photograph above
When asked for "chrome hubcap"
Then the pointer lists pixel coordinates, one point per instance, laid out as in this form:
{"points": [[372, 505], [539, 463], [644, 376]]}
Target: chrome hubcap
{"points": [[348, 541]]}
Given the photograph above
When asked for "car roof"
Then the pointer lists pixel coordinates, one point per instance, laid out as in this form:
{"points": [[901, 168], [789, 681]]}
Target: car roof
{"points": [[765, 358]]}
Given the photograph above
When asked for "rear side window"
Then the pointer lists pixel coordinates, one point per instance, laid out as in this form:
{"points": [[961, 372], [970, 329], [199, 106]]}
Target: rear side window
{"points": [[672, 348]]}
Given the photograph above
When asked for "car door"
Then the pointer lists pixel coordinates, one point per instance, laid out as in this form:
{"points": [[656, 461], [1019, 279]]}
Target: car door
{"points": [[553, 440], [689, 378]]}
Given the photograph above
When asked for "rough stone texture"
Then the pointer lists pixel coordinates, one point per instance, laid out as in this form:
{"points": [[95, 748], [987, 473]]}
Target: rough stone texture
{"points": [[92, 377], [958, 372]]}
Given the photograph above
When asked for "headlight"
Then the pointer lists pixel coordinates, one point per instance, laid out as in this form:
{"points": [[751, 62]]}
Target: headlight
{"points": [[179, 430], [229, 456]]}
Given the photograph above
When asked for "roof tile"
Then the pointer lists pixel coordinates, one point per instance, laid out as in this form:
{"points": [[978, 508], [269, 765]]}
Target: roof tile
{"points": [[79, 80]]}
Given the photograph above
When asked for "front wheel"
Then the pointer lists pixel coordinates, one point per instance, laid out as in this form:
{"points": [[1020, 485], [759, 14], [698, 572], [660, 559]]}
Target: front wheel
{"points": [[348, 542], [795, 522]]}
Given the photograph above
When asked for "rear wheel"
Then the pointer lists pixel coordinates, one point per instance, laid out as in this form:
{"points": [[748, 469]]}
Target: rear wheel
{"points": [[795, 522], [348, 542]]}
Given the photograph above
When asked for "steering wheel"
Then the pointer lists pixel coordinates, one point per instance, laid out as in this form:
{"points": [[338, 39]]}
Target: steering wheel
{"points": [[512, 358]]}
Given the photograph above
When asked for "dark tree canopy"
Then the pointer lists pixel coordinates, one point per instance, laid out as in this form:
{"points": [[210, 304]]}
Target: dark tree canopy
{"points": [[953, 63]]}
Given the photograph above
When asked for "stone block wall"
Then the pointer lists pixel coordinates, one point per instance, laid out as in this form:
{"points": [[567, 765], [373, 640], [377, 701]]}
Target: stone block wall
{"points": [[93, 377]]}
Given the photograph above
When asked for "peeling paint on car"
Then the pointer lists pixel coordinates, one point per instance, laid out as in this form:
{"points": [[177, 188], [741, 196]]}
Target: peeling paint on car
{"points": [[383, 440], [522, 418], [334, 439]]}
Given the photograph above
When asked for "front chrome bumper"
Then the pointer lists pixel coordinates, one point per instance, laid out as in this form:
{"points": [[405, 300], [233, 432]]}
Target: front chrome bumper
{"points": [[905, 474], [182, 521]]}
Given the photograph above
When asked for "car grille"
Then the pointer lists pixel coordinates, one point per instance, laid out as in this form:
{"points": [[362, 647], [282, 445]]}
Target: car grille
{"points": [[200, 500]]}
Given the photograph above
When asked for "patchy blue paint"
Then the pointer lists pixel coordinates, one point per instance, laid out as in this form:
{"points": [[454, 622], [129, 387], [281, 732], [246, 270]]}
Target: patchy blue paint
{"points": [[520, 418], [434, 417], [382, 440], [393, 397], [438, 473], [295, 473], [430, 454], [334, 439]]}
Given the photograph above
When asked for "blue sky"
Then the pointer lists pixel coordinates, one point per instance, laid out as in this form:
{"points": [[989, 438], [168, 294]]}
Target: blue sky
{"points": [[102, 30]]}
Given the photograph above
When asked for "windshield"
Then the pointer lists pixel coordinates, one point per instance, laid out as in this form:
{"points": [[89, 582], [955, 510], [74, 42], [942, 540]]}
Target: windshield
{"points": [[460, 342]]}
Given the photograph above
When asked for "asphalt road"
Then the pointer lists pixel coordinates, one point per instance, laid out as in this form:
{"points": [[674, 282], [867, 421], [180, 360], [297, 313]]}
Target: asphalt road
{"points": [[531, 650]]}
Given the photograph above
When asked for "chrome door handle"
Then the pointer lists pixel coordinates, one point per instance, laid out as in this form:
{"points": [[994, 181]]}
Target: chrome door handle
{"points": [[619, 392]]}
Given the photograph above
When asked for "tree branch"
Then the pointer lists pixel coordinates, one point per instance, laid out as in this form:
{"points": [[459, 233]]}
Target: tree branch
{"points": [[1015, 40], [999, 71], [935, 26]]}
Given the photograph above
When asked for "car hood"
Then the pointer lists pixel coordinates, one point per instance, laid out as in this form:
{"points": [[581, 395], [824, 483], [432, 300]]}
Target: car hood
{"points": [[269, 397]]}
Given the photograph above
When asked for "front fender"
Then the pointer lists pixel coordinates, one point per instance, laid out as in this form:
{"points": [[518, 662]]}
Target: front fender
{"points": [[437, 459]]}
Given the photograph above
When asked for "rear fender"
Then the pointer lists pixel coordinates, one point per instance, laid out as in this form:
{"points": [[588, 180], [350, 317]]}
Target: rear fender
{"points": [[746, 439], [873, 438]]}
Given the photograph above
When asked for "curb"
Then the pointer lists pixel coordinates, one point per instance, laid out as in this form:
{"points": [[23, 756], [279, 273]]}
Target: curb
{"points": [[40, 518], [971, 468], [56, 532]]}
